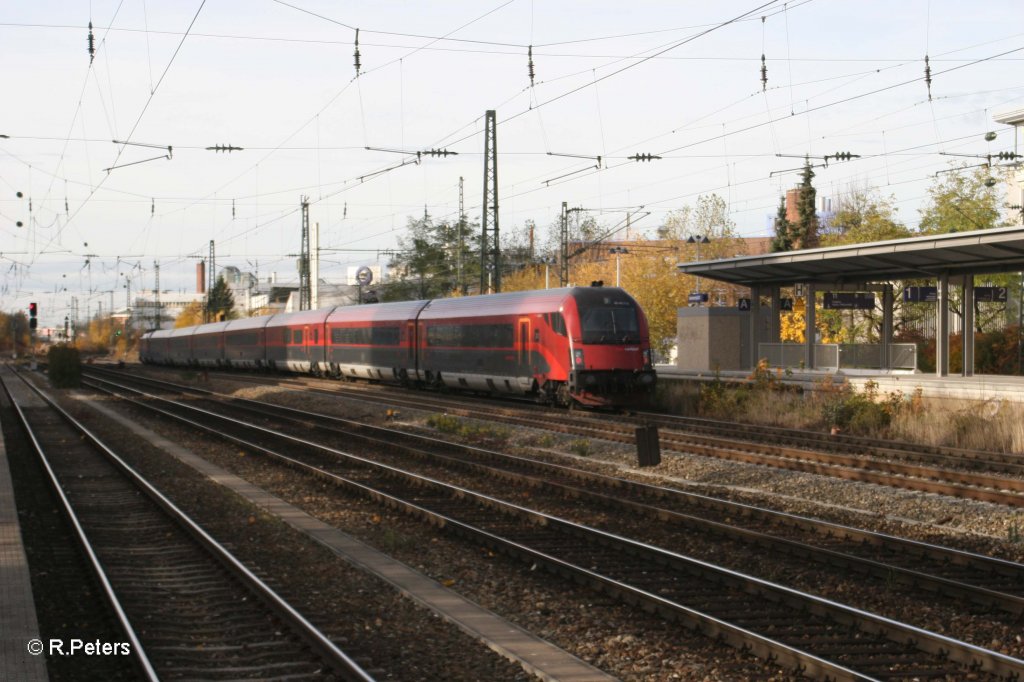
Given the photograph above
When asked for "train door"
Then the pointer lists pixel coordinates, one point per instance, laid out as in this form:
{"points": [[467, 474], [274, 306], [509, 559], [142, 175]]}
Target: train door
{"points": [[411, 365], [306, 350], [524, 347]]}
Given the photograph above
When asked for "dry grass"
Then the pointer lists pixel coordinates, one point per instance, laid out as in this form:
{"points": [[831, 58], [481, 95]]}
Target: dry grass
{"points": [[976, 425], [990, 425]]}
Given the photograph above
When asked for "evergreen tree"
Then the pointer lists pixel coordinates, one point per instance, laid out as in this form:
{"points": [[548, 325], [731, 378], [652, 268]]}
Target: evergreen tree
{"points": [[220, 304], [427, 264], [783, 239], [807, 217]]}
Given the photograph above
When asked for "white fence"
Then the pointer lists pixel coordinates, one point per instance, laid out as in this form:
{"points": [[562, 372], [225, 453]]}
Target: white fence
{"points": [[832, 356]]}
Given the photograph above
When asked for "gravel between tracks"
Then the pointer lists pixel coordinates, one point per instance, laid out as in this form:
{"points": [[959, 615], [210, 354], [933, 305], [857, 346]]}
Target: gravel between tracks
{"points": [[630, 646]]}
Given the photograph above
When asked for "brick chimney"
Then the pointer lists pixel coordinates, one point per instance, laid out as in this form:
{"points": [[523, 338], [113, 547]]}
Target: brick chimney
{"points": [[201, 277], [792, 199]]}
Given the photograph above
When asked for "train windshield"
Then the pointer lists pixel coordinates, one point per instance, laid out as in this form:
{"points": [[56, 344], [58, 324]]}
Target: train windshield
{"points": [[610, 324]]}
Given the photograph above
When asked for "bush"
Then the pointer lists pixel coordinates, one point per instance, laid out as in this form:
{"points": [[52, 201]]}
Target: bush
{"points": [[580, 447], [65, 366], [446, 423]]}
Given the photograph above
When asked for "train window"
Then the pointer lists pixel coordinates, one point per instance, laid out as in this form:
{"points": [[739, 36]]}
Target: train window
{"points": [[316, 335], [471, 336], [607, 324], [365, 336], [244, 339], [297, 336], [444, 335], [385, 336], [558, 324]]}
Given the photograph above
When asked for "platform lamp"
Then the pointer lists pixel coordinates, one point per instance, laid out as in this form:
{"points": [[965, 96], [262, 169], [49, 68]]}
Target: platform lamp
{"points": [[548, 261], [618, 251], [698, 241]]}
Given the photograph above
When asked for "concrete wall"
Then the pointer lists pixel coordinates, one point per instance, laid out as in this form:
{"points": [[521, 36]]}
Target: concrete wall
{"points": [[711, 339]]}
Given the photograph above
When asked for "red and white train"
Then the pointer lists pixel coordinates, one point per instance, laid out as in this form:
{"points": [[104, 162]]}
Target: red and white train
{"points": [[581, 344]]}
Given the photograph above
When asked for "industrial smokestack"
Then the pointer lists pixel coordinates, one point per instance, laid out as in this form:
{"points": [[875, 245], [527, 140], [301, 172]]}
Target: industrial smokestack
{"points": [[201, 277]]}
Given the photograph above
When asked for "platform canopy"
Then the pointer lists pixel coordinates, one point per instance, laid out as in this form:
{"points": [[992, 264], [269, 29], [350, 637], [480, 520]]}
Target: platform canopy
{"points": [[958, 253]]}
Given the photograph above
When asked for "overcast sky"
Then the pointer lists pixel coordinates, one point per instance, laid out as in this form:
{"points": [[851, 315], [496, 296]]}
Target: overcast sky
{"points": [[677, 79]]}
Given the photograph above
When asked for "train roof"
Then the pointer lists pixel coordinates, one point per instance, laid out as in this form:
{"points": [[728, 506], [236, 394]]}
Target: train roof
{"points": [[245, 323], [399, 311], [514, 303], [210, 328], [178, 331], [300, 317]]}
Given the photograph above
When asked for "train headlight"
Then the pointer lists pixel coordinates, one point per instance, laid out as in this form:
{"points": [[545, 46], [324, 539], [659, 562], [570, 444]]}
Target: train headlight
{"points": [[647, 356], [646, 379], [577, 357], [590, 380]]}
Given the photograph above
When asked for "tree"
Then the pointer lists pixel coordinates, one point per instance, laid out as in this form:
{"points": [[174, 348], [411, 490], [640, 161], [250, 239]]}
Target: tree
{"points": [[14, 332], [648, 271], [965, 200], [708, 218], [863, 216], [784, 230], [190, 316], [807, 216], [962, 201], [220, 303], [426, 266]]}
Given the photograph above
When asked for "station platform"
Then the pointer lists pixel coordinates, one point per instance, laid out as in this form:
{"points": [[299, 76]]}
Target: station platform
{"points": [[18, 623], [982, 388]]}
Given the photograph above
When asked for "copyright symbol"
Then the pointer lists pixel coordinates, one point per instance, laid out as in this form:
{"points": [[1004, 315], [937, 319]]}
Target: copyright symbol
{"points": [[35, 647]]}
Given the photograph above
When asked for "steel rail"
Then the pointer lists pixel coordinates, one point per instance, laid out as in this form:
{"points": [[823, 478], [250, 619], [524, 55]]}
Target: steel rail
{"points": [[137, 651], [637, 492], [935, 644], [337, 658]]}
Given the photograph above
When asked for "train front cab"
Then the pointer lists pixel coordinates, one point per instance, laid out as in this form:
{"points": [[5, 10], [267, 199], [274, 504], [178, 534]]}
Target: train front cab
{"points": [[610, 350]]}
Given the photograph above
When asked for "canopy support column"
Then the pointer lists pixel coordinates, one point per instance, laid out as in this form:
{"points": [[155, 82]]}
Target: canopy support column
{"points": [[755, 325], [942, 327], [776, 325], [887, 305], [968, 327], [812, 329]]}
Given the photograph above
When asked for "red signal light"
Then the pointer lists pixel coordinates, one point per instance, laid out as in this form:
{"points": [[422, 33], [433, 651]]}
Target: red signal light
{"points": [[32, 309]]}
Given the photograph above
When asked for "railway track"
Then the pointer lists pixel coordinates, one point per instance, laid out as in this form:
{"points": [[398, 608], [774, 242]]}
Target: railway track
{"points": [[984, 580], [186, 606], [988, 477], [873, 646]]}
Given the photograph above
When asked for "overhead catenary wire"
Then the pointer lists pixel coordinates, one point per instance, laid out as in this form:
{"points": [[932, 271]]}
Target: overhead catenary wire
{"points": [[318, 147]]}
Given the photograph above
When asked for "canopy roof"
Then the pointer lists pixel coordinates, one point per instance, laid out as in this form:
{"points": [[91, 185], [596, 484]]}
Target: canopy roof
{"points": [[983, 251]]}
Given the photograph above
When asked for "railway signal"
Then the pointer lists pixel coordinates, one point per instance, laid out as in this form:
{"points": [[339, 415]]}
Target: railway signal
{"points": [[33, 311]]}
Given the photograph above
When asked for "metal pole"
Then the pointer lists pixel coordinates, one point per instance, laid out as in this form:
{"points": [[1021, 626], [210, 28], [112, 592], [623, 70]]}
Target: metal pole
{"points": [[1020, 320], [563, 259], [616, 270], [156, 297], [460, 287], [698, 260]]}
